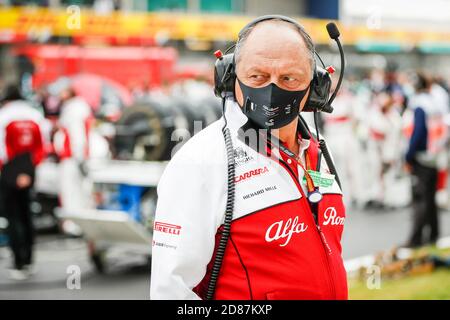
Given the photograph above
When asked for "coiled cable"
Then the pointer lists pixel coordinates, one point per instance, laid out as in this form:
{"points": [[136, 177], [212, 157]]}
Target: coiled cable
{"points": [[220, 251]]}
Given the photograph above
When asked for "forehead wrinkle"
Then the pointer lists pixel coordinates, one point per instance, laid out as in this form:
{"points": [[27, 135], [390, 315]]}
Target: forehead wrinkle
{"points": [[275, 64]]}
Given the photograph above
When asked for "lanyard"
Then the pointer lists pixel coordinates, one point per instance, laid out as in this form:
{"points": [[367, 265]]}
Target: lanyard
{"points": [[314, 195]]}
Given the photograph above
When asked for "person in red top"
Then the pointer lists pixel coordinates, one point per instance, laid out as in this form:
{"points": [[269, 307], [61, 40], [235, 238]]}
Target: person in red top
{"points": [[21, 149]]}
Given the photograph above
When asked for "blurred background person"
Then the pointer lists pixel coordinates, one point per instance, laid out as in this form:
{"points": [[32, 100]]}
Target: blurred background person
{"points": [[440, 93], [21, 149], [425, 144], [71, 142], [384, 143], [340, 132]]}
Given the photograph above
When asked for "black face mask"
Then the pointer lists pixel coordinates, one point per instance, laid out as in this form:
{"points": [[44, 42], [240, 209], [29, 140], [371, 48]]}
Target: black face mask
{"points": [[271, 107]]}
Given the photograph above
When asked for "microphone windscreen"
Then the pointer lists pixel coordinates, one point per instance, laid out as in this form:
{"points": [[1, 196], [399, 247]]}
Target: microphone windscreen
{"points": [[333, 31]]}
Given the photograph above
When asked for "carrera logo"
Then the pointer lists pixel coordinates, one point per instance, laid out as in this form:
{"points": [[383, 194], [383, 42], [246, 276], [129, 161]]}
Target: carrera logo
{"points": [[331, 218], [251, 173], [285, 230], [167, 228]]}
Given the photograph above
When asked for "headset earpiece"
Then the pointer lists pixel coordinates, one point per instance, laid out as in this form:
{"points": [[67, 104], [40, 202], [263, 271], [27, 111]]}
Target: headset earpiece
{"points": [[319, 91], [224, 76]]}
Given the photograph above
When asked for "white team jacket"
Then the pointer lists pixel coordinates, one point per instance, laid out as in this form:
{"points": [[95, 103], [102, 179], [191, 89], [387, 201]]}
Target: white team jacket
{"points": [[190, 210]]}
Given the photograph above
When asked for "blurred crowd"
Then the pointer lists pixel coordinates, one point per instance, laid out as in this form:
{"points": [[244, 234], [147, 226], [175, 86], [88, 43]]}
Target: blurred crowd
{"points": [[374, 133], [370, 133]]}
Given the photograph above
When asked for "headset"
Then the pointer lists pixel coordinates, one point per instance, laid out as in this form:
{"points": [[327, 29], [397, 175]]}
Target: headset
{"points": [[318, 98], [318, 101]]}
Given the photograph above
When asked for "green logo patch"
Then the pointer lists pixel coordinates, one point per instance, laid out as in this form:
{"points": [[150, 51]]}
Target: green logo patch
{"points": [[321, 179]]}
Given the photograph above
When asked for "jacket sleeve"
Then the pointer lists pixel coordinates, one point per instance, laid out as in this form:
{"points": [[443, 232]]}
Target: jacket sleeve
{"points": [[419, 135], [3, 155], [187, 217], [40, 151]]}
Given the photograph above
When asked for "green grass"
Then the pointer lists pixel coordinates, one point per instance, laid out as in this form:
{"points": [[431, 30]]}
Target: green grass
{"points": [[434, 286], [429, 286]]}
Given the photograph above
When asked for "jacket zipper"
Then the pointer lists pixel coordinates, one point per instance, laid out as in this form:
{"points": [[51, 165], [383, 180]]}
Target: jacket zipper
{"points": [[326, 249], [330, 273]]}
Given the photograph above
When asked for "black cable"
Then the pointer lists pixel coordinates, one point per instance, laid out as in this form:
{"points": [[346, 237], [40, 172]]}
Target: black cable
{"points": [[326, 154], [316, 124], [220, 251], [330, 164]]}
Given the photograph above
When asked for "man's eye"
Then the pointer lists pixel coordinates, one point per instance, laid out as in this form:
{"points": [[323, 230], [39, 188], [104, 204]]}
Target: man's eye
{"points": [[289, 79], [256, 77]]}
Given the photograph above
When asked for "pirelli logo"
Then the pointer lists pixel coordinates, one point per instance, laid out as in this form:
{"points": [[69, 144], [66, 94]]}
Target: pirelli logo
{"points": [[167, 228]]}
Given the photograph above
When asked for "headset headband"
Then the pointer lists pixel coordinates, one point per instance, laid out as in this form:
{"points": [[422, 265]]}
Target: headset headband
{"points": [[225, 76], [267, 17], [272, 17]]}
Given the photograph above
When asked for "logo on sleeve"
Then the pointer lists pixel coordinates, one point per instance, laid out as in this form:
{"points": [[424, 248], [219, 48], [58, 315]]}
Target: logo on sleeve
{"points": [[167, 228], [331, 218]]}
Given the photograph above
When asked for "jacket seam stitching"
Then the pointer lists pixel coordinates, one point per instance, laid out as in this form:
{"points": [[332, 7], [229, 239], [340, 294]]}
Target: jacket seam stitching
{"points": [[265, 208], [244, 267]]}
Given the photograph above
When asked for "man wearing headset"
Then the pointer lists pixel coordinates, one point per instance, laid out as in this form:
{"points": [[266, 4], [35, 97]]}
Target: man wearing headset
{"points": [[287, 211]]}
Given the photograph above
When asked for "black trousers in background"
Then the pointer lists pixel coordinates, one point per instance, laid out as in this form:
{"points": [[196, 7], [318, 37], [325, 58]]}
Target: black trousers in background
{"points": [[425, 211], [16, 206]]}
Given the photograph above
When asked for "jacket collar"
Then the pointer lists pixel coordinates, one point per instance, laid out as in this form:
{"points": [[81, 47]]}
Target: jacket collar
{"points": [[234, 115], [236, 119]]}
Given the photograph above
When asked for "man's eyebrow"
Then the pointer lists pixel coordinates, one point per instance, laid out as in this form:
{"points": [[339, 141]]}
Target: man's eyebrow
{"points": [[255, 69], [292, 72]]}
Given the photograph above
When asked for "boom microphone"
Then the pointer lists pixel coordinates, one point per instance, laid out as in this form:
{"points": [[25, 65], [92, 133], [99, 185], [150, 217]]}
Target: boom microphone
{"points": [[334, 34], [333, 31]]}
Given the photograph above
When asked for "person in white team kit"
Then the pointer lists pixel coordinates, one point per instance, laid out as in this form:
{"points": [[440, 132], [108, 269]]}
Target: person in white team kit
{"points": [[341, 126], [71, 144]]}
